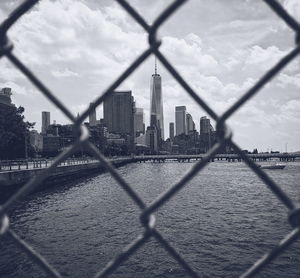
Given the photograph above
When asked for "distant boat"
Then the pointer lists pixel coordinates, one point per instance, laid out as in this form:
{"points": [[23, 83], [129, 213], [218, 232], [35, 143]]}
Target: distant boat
{"points": [[276, 166]]}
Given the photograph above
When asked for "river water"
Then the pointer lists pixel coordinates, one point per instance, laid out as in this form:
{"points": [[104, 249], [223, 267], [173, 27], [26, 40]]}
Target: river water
{"points": [[221, 223]]}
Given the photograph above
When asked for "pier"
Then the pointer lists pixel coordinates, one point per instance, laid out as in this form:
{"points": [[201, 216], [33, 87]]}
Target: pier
{"points": [[18, 172]]}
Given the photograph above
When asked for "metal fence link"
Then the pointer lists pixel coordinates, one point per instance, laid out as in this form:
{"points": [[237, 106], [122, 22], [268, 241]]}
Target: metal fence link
{"points": [[147, 218]]}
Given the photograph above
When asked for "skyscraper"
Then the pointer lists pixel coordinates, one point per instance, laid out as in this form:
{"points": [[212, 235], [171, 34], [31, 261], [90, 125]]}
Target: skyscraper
{"points": [[171, 131], [139, 126], [180, 120], [118, 110], [190, 125], [152, 139], [204, 125], [45, 121], [206, 130], [92, 117], [156, 104]]}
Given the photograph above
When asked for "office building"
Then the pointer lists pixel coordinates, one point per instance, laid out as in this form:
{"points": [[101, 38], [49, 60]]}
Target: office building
{"points": [[205, 125], [156, 104], [92, 116], [139, 126], [207, 134], [171, 131], [190, 125], [180, 120], [152, 139], [118, 111], [45, 121]]}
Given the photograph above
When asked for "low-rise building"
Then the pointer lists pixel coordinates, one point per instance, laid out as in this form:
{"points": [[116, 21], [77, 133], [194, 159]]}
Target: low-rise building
{"points": [[51, 145]]}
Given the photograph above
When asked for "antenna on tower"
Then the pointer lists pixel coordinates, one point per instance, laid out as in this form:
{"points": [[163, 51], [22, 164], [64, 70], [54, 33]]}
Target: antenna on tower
{"points": [[155, 65]]}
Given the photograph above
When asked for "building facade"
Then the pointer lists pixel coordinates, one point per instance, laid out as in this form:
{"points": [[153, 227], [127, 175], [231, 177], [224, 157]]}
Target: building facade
{"points": [[171, 131], [190, 125], [180, 120], [207, 134], [204, 125], [5, 96], [139, 125], [45, 121], [92, 117], [152, 139], [118, 110]]}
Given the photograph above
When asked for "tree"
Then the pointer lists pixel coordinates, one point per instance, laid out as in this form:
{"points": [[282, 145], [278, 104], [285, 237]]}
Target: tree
{"points": [[14, 132]]}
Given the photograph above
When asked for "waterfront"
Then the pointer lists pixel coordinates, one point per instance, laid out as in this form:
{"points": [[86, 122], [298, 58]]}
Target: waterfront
{"points": [[221, 222]]}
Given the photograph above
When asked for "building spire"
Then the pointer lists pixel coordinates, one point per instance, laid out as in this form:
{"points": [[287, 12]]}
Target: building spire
{"points": [[155, 65]]}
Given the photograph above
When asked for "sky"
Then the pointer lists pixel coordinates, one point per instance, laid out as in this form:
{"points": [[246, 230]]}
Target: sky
{"points": [[77, 48]]}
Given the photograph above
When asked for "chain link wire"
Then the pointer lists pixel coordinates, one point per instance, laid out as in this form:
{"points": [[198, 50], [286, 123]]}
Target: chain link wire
{"points": [[147, 217]]}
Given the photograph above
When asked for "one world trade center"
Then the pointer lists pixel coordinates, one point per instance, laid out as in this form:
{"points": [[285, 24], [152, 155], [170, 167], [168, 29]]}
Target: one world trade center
{"points": [[156, 106]]}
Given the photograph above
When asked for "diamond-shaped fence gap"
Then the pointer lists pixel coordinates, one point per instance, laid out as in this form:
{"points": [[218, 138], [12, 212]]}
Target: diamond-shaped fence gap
{"points": [[225, 219], [109, 222]]}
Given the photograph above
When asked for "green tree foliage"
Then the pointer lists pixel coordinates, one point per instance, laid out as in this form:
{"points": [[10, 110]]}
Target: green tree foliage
{"points": [[13, 131]]}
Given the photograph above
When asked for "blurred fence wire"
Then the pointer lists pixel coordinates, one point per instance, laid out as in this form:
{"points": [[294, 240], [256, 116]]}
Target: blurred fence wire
{"points": [[147, 212]]}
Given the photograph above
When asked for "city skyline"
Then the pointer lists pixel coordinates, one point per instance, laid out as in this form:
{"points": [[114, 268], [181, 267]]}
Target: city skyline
{"points": [[220, 59], [117, 123]]}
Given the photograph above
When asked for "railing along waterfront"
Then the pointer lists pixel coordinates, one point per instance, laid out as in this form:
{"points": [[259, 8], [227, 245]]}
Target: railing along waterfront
{"points": [[147, 216], [13, 165]]}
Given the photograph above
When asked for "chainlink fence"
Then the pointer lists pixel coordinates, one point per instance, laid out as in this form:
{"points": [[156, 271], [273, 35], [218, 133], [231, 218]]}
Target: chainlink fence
{"points": [[147, 217]]}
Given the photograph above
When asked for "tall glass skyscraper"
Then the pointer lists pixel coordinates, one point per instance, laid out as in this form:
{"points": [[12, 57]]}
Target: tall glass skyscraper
{"points": [[92, 117], [180, 120], [45, 121], [156, 105]]}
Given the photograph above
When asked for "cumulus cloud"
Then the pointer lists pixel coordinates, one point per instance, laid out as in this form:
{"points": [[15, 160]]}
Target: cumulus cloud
{"points": [[64, 73], [285, 79], [187, 52]]}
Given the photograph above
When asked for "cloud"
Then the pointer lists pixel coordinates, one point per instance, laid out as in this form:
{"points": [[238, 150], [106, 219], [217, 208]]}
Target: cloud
{"points": [[293, 7], [285, 79], [187, 53], [64, 73], [265, 58], [291, 110]]}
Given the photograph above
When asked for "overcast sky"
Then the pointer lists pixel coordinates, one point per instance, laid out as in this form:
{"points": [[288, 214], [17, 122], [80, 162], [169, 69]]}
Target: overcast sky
{"points": [[79, 47]]}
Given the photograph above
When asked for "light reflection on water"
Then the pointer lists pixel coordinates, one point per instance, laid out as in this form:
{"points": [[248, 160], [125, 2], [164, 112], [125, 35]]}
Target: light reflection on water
{"points": [[221, 222]]}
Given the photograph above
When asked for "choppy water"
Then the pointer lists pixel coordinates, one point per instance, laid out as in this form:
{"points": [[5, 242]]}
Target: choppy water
{"points": [[221, 222]]}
